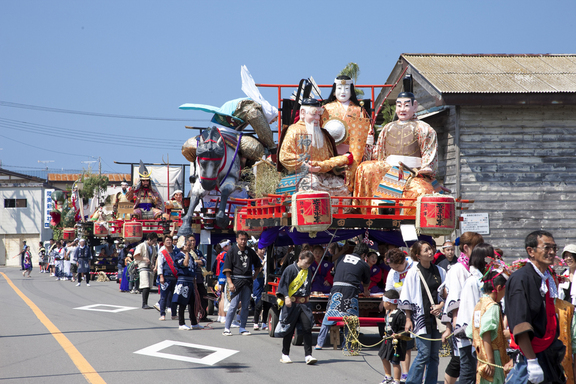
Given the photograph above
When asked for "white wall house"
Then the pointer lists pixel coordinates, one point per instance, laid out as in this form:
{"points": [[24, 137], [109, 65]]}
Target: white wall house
{"points": [[22, 215]]}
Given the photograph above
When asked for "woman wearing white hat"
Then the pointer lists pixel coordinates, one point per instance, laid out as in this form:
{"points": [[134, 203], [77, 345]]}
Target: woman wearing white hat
{"points": [[567, 290]]}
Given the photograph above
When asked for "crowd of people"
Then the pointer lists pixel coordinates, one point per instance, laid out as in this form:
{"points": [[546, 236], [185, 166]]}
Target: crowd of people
{"points": [[501, 322]]}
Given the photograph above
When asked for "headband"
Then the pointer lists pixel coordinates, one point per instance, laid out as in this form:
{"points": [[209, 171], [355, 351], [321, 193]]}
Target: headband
{"points": [[343, 82], [391, 301]]}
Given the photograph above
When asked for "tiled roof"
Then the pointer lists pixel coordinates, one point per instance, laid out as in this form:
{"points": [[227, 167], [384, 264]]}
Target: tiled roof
{"points": [[499, 73], [113, 177]]}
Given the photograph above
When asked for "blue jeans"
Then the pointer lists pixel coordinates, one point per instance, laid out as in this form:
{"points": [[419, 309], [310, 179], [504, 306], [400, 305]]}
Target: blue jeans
{"points": [[468, 365], [518, 374], [243, 296], [426, 361]]}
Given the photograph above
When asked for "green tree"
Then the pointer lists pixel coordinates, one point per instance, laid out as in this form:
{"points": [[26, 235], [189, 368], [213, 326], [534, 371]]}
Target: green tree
{"points": [[352, 70], [92, 184]]}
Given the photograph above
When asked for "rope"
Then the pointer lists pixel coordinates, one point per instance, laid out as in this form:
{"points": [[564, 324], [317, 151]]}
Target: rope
{"points": [[352, 345], [493, 365]]}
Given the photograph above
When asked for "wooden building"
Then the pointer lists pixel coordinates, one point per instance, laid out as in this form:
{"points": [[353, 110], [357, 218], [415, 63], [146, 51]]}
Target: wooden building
{"points": [[506, 126]]}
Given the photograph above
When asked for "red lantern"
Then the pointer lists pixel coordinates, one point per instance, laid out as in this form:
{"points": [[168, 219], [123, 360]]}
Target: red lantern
{"points": [[435, 214], [132, 232], [68, 234], [311, 211], [100, 229]]}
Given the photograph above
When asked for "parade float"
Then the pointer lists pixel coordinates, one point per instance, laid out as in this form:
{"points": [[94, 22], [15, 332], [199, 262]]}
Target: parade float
{"points": [[325, 181]]}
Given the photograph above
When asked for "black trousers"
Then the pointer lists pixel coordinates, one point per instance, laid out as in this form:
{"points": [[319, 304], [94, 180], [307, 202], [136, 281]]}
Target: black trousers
{"points": [[306, 326], [261, 307], [203, 300]]}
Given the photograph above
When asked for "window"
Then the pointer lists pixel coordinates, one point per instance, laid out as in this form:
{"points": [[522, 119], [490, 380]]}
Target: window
{"points": [[15, 203]]}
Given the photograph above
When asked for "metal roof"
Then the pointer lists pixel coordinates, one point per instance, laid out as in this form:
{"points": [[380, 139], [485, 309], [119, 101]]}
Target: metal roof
{"points": [[498, 73]]}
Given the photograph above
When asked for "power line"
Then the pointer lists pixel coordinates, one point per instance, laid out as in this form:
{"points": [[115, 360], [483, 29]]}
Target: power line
{"points": [[44, 149], [73, 112], [70, 136], [41, 128]]}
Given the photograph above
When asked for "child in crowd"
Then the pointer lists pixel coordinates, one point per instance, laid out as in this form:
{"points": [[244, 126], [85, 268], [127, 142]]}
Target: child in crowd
{"points": [[393, 348], [487, 330], [293, 294], [27, 264]]}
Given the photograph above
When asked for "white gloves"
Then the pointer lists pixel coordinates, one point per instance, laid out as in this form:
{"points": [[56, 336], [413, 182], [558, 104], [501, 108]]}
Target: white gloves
{"points": [[535, 373]]}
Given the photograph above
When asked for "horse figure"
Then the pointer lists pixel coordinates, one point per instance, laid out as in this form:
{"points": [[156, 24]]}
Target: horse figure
{"points": [[217, 167]]}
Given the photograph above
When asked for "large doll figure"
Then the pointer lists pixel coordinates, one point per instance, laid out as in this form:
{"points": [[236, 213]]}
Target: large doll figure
{"points": [[407, 140], [347, 122], [304, 146]]}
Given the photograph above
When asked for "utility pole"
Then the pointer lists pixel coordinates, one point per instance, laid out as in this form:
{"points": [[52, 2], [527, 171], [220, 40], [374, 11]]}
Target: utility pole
{"points": [[46, 163]]}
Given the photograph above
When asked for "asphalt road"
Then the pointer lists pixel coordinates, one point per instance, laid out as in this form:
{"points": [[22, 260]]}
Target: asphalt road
{"points": [[46, 337]]}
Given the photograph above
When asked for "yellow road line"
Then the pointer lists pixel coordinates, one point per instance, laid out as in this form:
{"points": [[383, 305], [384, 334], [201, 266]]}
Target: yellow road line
{"points": [[81, 363]]}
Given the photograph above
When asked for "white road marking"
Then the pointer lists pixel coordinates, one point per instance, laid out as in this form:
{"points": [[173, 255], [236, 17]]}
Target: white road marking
{"points": [[216, 356], [106, 308]]}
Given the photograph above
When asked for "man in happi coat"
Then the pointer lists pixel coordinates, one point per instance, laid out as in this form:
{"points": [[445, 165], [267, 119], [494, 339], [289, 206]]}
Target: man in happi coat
{"points": [[348, 123], [238, 266], [293, 295], [350, 272], [529, 302], [407, 140]]}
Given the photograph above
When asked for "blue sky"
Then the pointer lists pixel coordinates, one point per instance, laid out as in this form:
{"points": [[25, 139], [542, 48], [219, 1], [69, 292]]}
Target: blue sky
{"points": [[145, 58]]}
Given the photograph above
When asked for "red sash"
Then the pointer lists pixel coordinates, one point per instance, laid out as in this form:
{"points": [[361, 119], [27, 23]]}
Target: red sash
{"points": [[540, 344], [219, 259], [170, 262]]}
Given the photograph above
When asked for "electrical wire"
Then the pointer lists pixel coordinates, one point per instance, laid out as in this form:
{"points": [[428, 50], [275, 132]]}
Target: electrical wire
{"points": [[152, 144], [84, 135], [44, 149], [74, 112]]}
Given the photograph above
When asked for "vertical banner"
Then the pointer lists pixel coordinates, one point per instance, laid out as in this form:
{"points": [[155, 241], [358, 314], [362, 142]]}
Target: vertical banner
{"points": [[48, 206]]}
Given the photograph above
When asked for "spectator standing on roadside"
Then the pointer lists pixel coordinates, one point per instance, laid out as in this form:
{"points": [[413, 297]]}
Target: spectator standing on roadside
{"points": [[167, 274], [42, 257], [185, 286]]}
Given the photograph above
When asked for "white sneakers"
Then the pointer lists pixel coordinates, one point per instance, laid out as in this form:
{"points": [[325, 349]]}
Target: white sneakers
{"points": [[310, 360], [285, 359], [187, 328], [256, 327], [235, 324], [78, 284], [88, 284]]}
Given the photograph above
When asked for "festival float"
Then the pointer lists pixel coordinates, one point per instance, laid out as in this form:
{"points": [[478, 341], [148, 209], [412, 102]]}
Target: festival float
{"points": [[328, 179]]}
